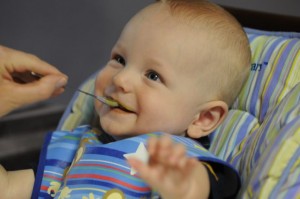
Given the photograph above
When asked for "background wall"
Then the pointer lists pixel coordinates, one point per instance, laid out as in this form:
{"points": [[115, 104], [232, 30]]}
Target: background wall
{"points": [[74, 35], [284, 7], [77, 35]]}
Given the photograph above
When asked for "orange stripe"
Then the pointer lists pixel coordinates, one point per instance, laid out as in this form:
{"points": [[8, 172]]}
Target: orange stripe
{"points": [[52, 177]]}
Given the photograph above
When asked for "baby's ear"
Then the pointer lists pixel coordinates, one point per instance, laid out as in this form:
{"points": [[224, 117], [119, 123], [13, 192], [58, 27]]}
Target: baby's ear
{"points": [[208, 119]]}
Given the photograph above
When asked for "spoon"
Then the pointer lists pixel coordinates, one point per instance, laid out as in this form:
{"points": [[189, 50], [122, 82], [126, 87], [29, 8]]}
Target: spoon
{"points": [[104, 100]]}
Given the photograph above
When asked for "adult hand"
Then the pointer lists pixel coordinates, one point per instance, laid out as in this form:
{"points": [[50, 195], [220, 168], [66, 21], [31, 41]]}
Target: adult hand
{"points": [[18, 87]]}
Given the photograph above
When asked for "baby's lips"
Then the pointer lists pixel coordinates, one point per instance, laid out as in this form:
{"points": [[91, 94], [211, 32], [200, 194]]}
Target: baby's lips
{"points": [[127, 108], [120, 104]]}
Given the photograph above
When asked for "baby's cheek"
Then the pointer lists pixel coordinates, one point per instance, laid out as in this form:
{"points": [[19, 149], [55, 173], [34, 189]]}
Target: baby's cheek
{"points": [[97, 105], [100, 83]]}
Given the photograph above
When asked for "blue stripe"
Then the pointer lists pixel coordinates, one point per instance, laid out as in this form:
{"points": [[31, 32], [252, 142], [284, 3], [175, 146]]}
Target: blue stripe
{"points": [[110, 185], [275, 78], [104, 151], [276, 190], [43, 195], [57, 163], [41, 167], [258, 87]]}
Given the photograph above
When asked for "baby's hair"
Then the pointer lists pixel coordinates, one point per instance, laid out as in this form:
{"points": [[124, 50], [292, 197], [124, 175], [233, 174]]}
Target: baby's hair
{"points": [[230, 60]]}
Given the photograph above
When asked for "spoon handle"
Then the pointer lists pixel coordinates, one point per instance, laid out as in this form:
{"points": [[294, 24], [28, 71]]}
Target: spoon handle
{"points": [[101, 99]]}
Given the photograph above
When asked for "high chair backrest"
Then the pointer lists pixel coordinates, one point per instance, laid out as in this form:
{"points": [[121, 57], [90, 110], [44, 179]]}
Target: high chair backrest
{"points": [[261, 135]]}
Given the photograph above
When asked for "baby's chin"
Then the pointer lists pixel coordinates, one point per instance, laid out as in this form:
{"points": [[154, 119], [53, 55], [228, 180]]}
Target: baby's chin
{"points": [[120, 136], [116, 134]]}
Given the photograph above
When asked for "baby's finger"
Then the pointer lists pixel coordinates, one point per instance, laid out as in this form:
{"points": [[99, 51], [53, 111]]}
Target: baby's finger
{"points": [[152, 146], [158, 147], [177, 153], [150, 175], [165, 145]]}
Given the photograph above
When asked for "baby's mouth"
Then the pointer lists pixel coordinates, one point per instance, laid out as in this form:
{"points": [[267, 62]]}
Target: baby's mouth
{"points": [[122, 106]]}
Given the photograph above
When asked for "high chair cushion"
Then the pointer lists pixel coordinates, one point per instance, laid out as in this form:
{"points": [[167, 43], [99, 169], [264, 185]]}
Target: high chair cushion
{"points": [[80, 110], [261, 135]]}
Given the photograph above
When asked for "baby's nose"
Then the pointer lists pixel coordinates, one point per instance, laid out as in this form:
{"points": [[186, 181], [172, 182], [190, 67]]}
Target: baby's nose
{"points": [[123, 80]]}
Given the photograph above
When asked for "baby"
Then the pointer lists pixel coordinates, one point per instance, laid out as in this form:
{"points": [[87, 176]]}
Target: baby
{"points": [[176, 67]]}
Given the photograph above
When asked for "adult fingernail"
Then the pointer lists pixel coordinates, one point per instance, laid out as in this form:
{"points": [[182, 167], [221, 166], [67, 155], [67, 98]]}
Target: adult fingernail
{"points": [[61, 82]]}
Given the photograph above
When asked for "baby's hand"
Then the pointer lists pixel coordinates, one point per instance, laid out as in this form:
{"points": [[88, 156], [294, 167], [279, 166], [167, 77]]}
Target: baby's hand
{"points": [[16, 184], [171, 172]]}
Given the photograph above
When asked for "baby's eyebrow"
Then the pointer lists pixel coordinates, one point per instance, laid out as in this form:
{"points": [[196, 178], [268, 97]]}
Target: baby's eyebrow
{"points": [[155, 62], [118, 47]]}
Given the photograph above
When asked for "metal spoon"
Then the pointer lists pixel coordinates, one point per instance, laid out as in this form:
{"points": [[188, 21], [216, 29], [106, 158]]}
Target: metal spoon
{"points": [[104, 100]]}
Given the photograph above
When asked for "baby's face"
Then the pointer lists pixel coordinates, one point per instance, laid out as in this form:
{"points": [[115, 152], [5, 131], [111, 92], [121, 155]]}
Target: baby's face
{"points": [[152, 72]]}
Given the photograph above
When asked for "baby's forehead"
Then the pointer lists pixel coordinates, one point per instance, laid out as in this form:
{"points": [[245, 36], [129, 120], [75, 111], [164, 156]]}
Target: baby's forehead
{"points": [[193, 46], [199, 29]]}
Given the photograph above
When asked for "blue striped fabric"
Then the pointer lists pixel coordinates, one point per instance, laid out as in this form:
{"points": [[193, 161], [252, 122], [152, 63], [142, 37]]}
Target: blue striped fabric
{"points": [[77, 165]]}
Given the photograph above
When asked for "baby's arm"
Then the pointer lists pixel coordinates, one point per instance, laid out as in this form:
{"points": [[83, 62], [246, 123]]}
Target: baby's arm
{"points": [[16, 184], [171, 172]]}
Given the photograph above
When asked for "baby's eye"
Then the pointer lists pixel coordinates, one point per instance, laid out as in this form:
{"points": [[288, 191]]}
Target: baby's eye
{"points": [[120, 59], [152, 75]]}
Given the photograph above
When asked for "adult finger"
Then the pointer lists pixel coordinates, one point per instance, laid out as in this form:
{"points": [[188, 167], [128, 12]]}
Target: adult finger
{"points": [[46, 87], [18, 61]]}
